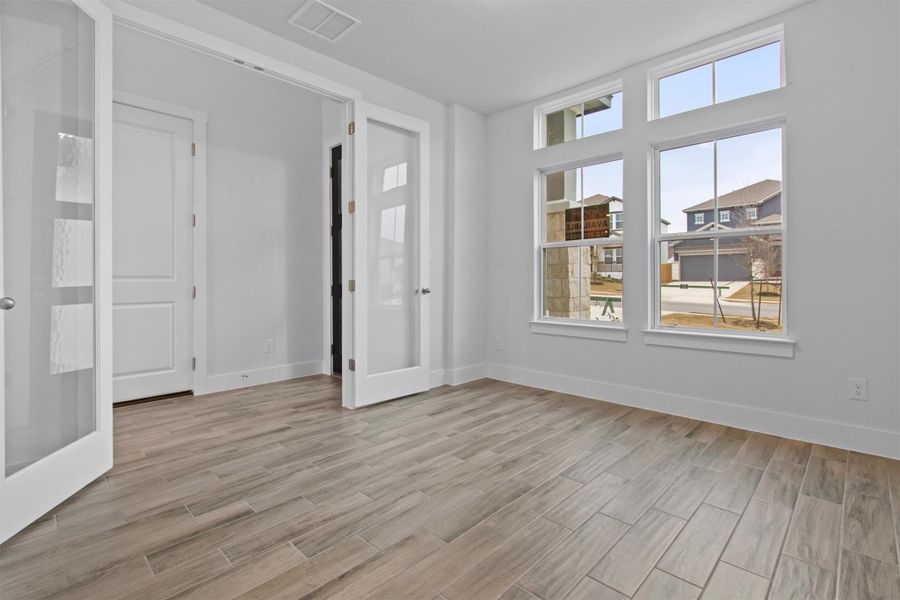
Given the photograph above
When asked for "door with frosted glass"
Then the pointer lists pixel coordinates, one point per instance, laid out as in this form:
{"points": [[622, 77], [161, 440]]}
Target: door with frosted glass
{"points": [[390, 292], [55, 79]]}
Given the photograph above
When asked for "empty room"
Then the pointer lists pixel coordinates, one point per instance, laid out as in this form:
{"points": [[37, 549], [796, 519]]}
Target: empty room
{"points": [[327, 299]]}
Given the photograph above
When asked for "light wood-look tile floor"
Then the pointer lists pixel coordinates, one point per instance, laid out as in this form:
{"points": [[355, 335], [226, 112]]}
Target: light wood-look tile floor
{"points": [[487, 490]]}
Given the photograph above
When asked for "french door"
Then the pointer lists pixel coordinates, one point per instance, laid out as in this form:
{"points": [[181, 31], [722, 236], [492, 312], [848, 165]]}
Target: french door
{"points": [[55, 256], [386, 309]]}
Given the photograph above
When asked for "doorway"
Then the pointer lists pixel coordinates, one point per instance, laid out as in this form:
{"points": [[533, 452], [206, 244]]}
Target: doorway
{"points": [[334, 172]]}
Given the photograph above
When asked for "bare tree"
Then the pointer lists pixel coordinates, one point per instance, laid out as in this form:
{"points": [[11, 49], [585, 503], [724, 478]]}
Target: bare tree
{"points": [[761, 260]]}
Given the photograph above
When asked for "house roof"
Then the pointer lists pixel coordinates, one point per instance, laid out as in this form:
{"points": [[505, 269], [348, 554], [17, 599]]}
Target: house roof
{"points": [[751, 195], [597, 199], [774, 219]]}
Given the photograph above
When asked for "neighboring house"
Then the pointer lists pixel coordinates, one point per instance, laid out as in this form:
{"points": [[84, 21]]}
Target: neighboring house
{"points": [[755, 205], [610, 263]]}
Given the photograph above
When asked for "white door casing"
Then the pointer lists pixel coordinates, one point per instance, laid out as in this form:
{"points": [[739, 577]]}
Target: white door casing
{"points": [[387, 336], [153, 247]]}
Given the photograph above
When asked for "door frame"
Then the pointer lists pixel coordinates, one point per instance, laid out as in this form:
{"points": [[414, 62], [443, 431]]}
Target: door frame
{"points": [[199, 120], [327, 316]]}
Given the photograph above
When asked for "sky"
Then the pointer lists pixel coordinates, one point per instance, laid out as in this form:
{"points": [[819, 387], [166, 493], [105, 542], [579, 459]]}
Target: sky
{"points": [[686, 174]]}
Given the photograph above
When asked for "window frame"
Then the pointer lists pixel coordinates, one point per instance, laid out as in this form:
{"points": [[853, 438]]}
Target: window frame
{"points": [[726, 214], [709, 55], [656, 237], [542, 110], [610, 330], [755, 214], [699, 218]]}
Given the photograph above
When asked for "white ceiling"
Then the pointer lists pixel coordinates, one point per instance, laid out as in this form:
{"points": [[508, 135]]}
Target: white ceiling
{"points": [[493, 54]]}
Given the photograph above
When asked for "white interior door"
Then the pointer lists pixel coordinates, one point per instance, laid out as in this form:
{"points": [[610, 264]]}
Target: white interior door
{"points": [[56, 357], [152, 253], [388, 329]]}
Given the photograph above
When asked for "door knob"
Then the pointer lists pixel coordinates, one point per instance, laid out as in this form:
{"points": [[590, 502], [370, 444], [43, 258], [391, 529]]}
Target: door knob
{"points": [[426, 290], [6, 303]]}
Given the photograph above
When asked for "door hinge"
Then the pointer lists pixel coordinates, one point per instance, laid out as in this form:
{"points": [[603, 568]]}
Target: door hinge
{"points": [[351, 128], [194, 220], [351, 285], [351, 207], [351, 364], [193, 149], [194, 292], [193, 363]]}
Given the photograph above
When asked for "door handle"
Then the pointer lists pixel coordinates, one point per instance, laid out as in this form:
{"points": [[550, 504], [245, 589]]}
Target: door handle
{"points": [[426, 290], [6, 303]]}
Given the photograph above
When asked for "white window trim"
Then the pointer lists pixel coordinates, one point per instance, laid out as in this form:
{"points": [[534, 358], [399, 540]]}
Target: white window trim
{"points": [[708, 55], [751, 212], [583, 328], [726, 214], [718, 339], [592, 93], [699, 219]]}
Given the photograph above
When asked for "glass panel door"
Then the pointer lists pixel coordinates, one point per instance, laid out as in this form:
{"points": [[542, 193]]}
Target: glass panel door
{"points": [[49, 90], [393, 295], [47, 67], [388, 233]]}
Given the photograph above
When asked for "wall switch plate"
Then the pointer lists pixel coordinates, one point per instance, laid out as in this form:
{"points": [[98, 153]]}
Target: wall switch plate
{"points": [[859, 389], [269, 345]]}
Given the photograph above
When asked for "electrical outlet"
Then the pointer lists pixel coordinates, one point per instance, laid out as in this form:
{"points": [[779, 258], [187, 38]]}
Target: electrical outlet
{"points": [[245, 378], [269, 345], [499, 343], [859, 389]]}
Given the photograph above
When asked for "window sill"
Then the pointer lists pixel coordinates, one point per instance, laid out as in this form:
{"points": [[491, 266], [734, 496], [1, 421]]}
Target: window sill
{"points": [[611, 333], [720, 342]]}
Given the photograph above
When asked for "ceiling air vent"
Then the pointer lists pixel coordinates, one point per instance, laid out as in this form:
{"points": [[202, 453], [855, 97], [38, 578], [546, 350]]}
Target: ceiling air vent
{"points": [[323, 20]]}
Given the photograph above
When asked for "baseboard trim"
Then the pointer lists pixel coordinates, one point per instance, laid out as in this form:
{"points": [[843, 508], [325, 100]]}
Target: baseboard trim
{"points": [[236, 380], [467, 374], [821, 431]]}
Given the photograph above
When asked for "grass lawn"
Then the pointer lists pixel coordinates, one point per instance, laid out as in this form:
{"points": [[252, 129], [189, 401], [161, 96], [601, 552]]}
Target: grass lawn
{"points": [[770, 292], [606, 286], [705, 321]]}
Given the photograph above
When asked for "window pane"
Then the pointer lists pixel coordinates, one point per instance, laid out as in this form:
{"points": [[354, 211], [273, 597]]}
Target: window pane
{"points": [[597, 189], [750, 283], [748, 73], [584, 119], [748, 176], [686, 278], [562, 206], [686, 90], [599, 119], [604, 264], [565, 292], [686, 188], [601, 187]]}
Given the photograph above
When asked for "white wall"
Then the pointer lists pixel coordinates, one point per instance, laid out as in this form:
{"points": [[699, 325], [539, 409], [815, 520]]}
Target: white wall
{"points": [[467, 235], [373, 89], [842, 154], [264, 204]]}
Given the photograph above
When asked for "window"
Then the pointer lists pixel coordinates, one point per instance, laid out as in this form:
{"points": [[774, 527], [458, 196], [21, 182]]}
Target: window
{"points": [[592, 112], [581, 254], [738, 69], [716, 277], [615, 220]]}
